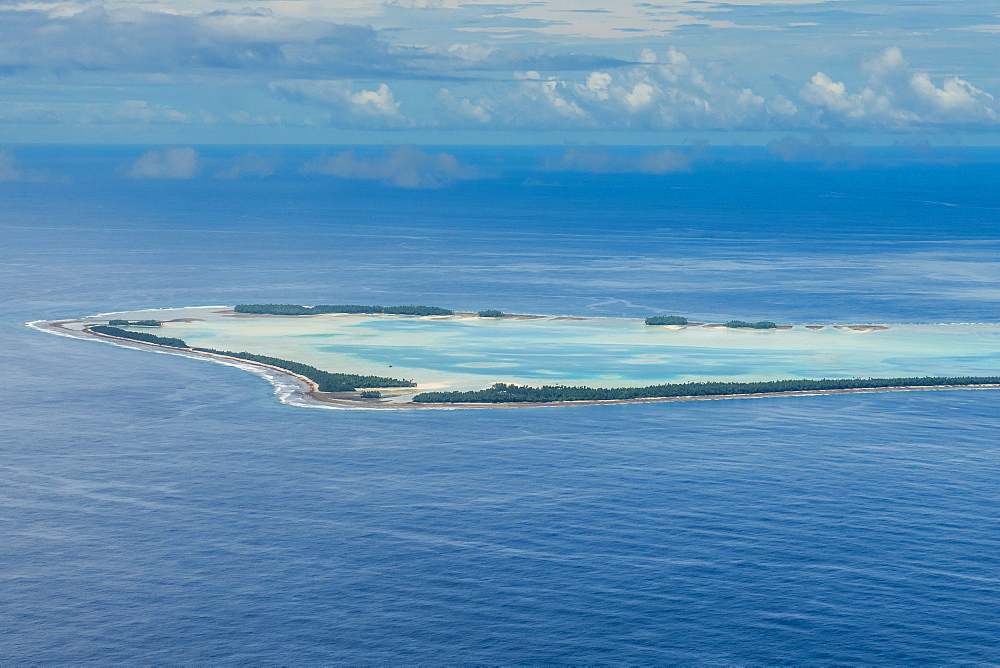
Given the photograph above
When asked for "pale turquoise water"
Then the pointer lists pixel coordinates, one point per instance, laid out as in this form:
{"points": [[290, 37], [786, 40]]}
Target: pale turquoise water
{"points": [[469, 352]]}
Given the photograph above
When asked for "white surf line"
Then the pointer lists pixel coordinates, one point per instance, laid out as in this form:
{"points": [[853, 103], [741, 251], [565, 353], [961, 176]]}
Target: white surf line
{"points": [[287, 388], [293, 391]]}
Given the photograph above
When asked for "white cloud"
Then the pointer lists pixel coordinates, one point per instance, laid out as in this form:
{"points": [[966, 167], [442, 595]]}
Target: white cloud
{"points": [[370, 108], [640, 96], [896, 97], [406, 167], [141, 111], [666, 92], [464, 109], [171, 163], [957, 100], [597, 83], [824, 92], [379, 102]]}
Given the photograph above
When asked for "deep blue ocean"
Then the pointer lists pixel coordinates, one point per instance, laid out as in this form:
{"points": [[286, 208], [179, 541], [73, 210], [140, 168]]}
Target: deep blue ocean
{"points": [[163, 510]]}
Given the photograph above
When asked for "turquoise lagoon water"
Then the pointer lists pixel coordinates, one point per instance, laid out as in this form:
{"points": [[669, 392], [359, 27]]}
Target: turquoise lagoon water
{"points": [[462, 352]]}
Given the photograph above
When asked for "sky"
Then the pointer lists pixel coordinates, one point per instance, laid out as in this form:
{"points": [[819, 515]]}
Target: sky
{"points": [[541, 72]]}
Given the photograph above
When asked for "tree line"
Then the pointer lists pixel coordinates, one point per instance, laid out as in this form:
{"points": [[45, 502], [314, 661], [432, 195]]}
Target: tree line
{"points": [[138, 336], [505, 393], [667, 320], [743, 324], [326, 381], [135, 323], [296, 309]]}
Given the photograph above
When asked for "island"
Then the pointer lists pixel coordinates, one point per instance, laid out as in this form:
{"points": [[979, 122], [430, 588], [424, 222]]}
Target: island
{"points": [[418, 357], [135, 323], [295, 309], [675, 320]]}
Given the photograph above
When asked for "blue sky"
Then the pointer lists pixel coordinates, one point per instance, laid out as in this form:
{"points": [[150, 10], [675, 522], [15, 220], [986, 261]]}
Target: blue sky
{"points": [[551, 71]]}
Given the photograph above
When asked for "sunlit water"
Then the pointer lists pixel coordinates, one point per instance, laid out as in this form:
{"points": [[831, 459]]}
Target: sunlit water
{"points": [[162, 510]]}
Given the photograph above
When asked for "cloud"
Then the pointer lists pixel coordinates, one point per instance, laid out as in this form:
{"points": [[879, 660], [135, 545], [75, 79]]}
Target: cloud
{"points": [[142, 112], [595, 161], [171, 163], [406, 167], [896, 97], [446, 65], [347, 107], [818, 149], [667, 91], [129, 39], [664, 91]]}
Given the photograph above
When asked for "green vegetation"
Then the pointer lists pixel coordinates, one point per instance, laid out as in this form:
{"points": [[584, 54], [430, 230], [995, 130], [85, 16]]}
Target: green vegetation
{"points": [[371, 394], [325, 380], [135, 323], [139, 336], [743, 324], [667, 320], [295, 309], [504, 393], [491, 313]]}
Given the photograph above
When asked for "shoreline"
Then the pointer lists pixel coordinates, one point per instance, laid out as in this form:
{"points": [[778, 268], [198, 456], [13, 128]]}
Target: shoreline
{"points": [[309, 390]]}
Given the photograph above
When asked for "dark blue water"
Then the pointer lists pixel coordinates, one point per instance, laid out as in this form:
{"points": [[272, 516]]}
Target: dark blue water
{"points": [[157, 509]]}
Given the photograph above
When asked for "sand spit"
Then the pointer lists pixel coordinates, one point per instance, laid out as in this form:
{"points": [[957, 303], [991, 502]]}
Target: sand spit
{"points": [[862, 329]]}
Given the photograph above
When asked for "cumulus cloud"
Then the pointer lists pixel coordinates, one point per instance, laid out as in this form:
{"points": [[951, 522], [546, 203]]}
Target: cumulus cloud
{"points": [[406, 167], [347, 106], [667, 91], [359, 79], [141, 111], [896, 97], [171, 163], [595, 161], [664, 91]]}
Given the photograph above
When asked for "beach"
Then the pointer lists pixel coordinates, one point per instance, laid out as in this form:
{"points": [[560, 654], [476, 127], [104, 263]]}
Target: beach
{"points": [[302, 390]]}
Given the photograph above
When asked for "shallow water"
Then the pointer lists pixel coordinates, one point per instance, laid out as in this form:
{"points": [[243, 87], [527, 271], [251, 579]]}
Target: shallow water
{"points": [[466, 353], [157, 509]]}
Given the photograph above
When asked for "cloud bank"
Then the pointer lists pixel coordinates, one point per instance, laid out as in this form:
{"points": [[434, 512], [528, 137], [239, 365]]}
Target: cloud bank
{"points": [[596, 161], [321, 71], [669, 92], [406, 167], [170, 163]]}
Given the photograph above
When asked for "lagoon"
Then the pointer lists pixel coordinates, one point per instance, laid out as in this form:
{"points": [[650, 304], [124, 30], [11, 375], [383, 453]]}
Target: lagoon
{"points": [[466, 352]]}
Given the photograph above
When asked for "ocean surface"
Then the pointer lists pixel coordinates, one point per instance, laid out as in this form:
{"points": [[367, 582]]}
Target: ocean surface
{"points": [[161, 510]]}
